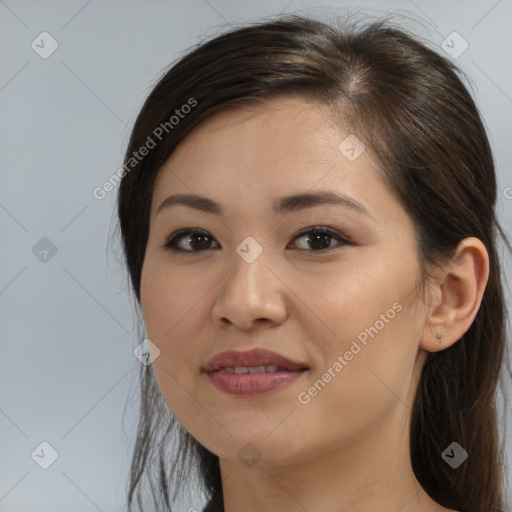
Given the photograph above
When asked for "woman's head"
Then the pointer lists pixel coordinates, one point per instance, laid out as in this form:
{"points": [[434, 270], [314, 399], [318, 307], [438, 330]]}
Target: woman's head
{"points": [[296, 108]]}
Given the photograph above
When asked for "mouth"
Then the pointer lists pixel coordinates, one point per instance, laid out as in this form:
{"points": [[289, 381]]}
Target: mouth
{"points": [[255, 359], [252, 373], [268, 368]]}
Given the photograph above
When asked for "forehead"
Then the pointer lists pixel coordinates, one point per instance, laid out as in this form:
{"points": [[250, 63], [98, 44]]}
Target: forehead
{"points": [[254, 153], [278, 131]]}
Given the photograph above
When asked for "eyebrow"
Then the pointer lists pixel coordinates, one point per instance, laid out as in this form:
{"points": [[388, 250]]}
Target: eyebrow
{"points": [[281, 205]]}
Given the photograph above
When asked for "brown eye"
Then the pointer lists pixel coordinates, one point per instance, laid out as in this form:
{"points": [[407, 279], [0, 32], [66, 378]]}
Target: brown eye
{"points": [[197, 239], [319, 239]]}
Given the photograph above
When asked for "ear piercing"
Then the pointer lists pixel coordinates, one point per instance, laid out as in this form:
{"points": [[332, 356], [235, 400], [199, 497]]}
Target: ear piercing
{"points": [[438, 336]]}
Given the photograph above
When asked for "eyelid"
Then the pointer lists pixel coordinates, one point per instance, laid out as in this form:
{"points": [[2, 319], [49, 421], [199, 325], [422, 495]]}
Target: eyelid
{"points": [[169, 245], [322, 229], [177, 235]]}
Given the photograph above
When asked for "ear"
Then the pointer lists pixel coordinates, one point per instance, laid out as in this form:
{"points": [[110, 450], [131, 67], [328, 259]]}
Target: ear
{"points": [[456, 295]]}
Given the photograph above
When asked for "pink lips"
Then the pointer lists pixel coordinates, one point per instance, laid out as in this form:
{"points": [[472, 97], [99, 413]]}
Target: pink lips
{"points": [[252, 383]]}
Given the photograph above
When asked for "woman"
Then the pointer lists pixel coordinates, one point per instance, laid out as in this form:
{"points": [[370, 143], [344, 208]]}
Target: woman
{"points": [[307, 214]]}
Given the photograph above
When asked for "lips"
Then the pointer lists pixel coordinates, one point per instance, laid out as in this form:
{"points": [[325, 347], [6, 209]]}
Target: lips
{"points": [[252, 358], [254, 372]]}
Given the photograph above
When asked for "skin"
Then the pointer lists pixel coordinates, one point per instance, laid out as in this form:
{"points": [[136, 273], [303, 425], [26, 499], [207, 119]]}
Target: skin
{"points": [[348, 448]]}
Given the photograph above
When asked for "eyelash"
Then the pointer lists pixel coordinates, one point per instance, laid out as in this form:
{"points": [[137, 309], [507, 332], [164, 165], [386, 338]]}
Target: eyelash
{"points": [[170, 244]]}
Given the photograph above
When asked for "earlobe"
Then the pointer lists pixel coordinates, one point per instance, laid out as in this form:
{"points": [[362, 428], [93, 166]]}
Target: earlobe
{"points": [[458, 290]]}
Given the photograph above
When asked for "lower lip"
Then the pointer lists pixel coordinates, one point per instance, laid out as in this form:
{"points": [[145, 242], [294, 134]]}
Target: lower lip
{"points": [[252, 383]]}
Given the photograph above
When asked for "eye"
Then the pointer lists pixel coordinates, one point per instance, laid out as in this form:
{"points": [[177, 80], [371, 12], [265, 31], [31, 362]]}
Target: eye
{"points": [[321, 237], [199, 240]]}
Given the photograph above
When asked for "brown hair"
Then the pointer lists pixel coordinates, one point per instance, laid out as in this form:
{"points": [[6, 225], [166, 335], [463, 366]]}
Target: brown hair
{"points": [[408, 105]]}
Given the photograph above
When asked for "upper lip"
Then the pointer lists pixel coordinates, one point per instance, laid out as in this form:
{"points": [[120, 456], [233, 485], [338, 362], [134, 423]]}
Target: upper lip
{"points": [[254, 357]]}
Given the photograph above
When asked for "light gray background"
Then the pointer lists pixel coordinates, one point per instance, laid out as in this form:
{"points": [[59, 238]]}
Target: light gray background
{"points": [[67, 365]]}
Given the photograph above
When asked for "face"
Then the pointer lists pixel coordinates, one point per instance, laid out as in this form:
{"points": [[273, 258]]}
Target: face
{"points": [[341, 300]]}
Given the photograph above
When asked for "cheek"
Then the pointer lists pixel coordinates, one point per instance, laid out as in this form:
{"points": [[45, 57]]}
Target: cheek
{"points": [[355, 299], [161, 315], [165, 304], [360, 383], [371, 324], [170, 305], [166, 297]]}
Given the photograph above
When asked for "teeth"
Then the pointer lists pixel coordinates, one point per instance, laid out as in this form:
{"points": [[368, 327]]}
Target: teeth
{"points": [[256, 369], [269, 368]]}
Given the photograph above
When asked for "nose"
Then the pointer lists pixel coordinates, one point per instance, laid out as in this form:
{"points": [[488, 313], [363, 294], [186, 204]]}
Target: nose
{"points": [[251, 294]]}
